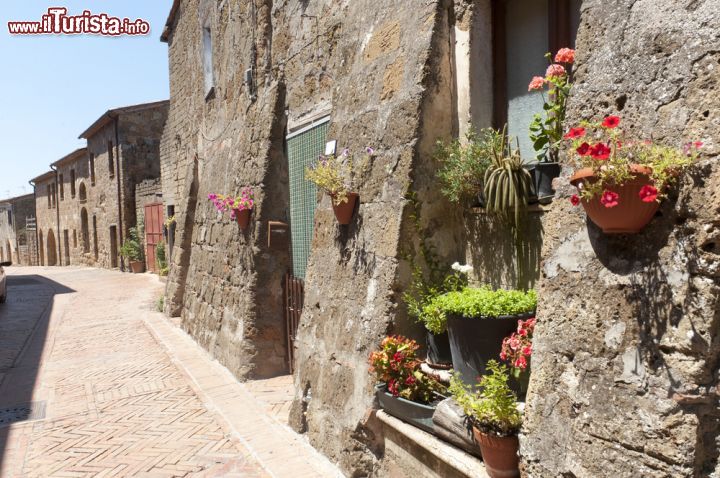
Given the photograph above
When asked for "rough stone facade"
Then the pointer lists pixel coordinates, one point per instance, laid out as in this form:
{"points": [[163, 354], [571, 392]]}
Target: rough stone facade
{"points": [[78, 211], [627, 347], [398, 76], [17, 243]]}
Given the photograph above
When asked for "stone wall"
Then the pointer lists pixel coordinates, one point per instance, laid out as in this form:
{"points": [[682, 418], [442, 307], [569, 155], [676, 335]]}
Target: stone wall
{"points": [[626, 352], [70, 207], [15, 242], [46, 218]]}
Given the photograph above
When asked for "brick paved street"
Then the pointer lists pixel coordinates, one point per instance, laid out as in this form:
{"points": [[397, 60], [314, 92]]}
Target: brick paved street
{"points": [[126, 392]]}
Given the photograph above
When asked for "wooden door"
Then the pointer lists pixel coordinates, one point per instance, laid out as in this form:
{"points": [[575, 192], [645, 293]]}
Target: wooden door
{"points": [[153, 234]]}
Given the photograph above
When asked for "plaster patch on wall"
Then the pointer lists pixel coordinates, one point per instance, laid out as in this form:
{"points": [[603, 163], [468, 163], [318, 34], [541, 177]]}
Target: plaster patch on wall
{"points": [[573, 255], [614, 335], [633, 368]]}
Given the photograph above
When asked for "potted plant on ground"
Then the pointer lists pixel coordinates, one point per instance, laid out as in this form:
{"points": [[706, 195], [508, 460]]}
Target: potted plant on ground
{"points": [[621, 181], [477, 320], [495, 418], [546, 129], [132, 250], [463, 166], [335, 175], [240, 207], [404, 392]]}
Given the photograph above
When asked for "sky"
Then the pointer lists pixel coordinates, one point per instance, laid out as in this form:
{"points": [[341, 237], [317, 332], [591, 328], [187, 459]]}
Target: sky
{"points": [[52, 87]]}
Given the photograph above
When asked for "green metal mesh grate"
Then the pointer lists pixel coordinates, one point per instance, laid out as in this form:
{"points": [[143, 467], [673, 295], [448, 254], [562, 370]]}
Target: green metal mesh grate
{"points": [[303, 149]]}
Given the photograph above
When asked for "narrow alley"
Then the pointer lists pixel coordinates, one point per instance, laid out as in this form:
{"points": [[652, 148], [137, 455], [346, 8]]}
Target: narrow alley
{"points": [[95, 382]]}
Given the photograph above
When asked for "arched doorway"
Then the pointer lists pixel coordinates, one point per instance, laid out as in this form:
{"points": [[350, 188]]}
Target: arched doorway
{"points": [[51, 249], [8, 251], [41, 248], [82, 193], [85, 230]]}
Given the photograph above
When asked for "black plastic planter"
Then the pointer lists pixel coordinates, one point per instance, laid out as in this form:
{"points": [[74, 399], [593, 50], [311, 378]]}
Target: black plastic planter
{"points": [[438, 348], [543, 175], [475, 341], [411, 412]]}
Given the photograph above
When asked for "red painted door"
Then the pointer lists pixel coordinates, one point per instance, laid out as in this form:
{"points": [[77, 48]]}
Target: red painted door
{"points": [[153, 234]]}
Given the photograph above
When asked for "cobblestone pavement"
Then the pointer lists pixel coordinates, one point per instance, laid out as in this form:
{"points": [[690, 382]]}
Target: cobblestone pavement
{"points": [[125, 392]]}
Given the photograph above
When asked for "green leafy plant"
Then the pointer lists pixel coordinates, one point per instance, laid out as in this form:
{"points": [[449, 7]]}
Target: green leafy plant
{"points": [[160, 304], [161, 259], [463, 164], [492, 409], [397, 366], [132, 248], [478, 302], [335, 174], [546, 130], [507, 182]]}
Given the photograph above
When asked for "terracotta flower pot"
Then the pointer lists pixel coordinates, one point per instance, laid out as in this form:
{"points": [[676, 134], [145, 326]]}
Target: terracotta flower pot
{"points": [[344, 210], [243, 217], [137, 267], [631, 214], [500, 454]]}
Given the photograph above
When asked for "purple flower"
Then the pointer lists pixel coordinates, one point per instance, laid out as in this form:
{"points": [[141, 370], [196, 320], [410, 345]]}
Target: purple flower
{"points": [[346, 152], [370, 150]]}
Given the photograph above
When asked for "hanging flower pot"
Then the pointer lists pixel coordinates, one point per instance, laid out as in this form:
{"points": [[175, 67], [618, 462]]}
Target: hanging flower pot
{"points": [[620, 209], [242, 216], [240, 207], [344, 210]]}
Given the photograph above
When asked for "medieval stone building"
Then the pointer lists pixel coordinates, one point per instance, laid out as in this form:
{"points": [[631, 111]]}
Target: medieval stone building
{"points": [[625, 369], [87, 203], [17, 230]]}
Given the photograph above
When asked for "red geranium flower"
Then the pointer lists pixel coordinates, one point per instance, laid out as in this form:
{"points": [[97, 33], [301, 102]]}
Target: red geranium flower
{"points": [[698, 144], [565, 55], [575, 133], [648, 193], [575, 200], [537, 83], [583, 149], [600, 152], [611, 122], [609, 198]]}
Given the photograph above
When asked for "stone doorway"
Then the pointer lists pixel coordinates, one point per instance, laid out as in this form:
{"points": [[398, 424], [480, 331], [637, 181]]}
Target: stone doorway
{"points": [[66, 246], [113, 247], [51, 249]]}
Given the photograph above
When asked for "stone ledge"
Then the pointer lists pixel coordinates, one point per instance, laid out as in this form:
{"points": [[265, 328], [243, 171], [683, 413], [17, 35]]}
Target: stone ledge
{"points": [[438, 455], [535, 208]]}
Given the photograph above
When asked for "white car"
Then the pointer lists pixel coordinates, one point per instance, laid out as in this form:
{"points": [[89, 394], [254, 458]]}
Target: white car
{"points": [[3, 281]]}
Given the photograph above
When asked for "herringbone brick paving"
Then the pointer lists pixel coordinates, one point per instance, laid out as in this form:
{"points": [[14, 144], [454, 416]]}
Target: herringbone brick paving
{"points": [[116, 405]]}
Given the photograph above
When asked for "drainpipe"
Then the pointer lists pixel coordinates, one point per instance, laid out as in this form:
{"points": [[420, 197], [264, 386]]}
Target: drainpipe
{"points": [[37, 239], [57, 214], [119, 190]]}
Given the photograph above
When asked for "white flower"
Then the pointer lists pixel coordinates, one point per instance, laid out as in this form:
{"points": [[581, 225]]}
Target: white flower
{"points": [[464, 269]]}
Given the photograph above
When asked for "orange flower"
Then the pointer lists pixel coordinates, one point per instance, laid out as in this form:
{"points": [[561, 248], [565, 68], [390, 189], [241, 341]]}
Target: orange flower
{"points": [[555, 71], [565, 55]]}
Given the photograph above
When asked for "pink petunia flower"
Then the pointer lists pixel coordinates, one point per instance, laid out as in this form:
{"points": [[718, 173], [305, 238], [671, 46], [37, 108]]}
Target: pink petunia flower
{"points": [[575, 200], [555, 71], [609, 199], [648, 193]]}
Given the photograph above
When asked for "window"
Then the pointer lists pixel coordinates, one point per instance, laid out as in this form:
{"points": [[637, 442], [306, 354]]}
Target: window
{"points": [[9, 217], [72, 183], [54, 195], [208, 62], [49, 195], [523, 32], [62, 188], [92, 169], [111, 159], [74, 238]]}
